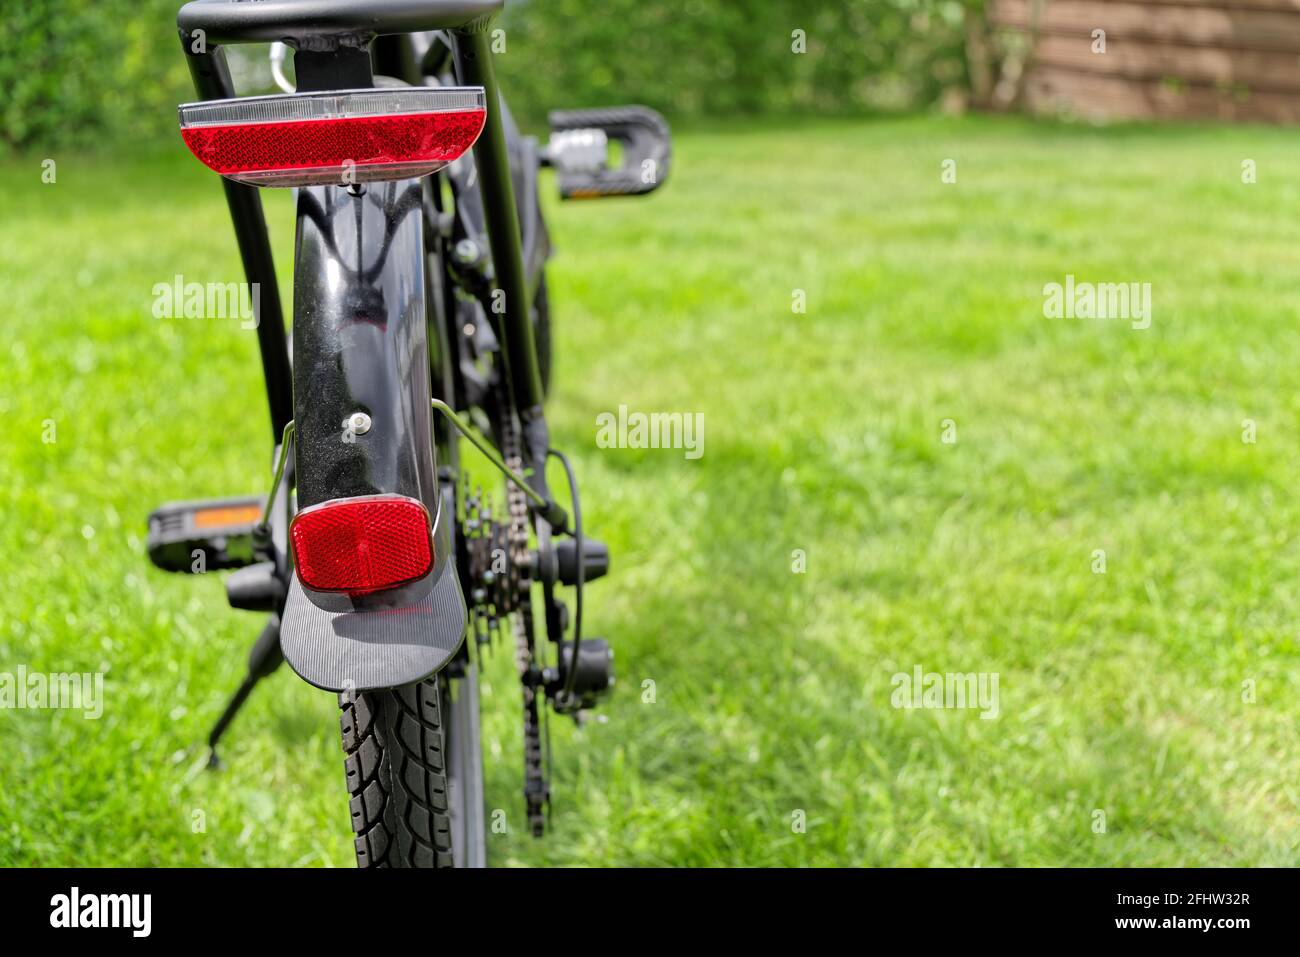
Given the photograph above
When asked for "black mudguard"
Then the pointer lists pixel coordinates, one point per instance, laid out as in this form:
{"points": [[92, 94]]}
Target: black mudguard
{"points": [[360, 345]]}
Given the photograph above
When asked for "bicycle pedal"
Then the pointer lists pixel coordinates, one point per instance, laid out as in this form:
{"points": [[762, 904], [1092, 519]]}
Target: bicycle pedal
{"points": [[579, 151], [196, 537]]}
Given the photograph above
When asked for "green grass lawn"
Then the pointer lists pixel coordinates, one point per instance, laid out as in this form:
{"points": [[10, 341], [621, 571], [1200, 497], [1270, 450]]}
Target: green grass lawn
{"points": [[1127, 692]]}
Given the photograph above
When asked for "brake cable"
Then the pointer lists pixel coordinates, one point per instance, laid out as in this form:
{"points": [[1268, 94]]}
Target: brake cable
{"points": [[549, 510]]}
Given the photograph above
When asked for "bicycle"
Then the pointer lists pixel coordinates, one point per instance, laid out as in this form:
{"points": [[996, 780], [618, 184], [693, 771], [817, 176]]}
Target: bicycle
{"points": [[419, 288]]}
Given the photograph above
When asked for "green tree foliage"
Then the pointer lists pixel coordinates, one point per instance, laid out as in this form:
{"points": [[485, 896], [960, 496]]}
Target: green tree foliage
{"points": [[74, 71], [726, 57]]}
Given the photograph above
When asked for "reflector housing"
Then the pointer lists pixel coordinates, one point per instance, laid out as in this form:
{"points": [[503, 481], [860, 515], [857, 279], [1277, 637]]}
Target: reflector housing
{"points": [[362, 545], [344, 137]]}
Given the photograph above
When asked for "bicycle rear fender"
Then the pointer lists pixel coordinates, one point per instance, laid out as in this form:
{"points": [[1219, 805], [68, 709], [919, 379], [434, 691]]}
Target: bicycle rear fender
{"points": [[359, 346]]}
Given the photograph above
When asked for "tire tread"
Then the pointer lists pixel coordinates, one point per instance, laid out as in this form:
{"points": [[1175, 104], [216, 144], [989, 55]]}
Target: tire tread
{"points": [[395, 764]]}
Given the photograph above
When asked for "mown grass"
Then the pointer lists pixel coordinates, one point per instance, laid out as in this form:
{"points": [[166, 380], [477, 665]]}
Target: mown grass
{"points": [[1120, 692]]}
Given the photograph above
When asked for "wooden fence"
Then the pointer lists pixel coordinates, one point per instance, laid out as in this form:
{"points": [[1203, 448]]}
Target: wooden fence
{"points": [[1227, 59]]}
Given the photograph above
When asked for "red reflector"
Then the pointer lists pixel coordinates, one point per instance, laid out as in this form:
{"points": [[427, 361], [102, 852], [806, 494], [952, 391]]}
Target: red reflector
{"points": [[319, 138], [361, 545]]}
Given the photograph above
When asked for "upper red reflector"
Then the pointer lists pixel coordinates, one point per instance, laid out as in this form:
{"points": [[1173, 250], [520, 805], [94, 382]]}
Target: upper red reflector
{"points": [[362, 545], [343, 138]]}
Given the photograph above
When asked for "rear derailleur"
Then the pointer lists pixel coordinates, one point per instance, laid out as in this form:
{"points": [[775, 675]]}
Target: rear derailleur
{"points": [[500, 579]]}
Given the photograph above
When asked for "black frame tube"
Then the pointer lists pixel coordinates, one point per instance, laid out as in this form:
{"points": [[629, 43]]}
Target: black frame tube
{"points": [[212, 82], [474, 68]]}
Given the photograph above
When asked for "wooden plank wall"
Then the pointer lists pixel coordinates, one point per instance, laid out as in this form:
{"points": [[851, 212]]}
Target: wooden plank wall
{"points": [[1180, 59]]}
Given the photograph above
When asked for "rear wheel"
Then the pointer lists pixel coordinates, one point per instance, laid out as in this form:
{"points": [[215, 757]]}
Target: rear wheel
{"points": [[396, 763]]}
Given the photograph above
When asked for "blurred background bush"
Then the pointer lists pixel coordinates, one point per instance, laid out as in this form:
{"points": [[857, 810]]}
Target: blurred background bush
{"points": [[74, 73], [77, 73]]}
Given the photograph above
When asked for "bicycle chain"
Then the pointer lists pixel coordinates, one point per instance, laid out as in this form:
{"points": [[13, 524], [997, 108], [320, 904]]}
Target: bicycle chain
{"points": [[536, 788], [503, 589]]}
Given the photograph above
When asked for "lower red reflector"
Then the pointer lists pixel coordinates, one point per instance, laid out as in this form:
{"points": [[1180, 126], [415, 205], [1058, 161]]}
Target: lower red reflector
{"points": [[361, 545]]}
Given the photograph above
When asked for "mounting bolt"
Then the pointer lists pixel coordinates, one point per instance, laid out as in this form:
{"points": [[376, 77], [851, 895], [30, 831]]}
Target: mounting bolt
{"points": [[358, 423], [466, 252]]}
